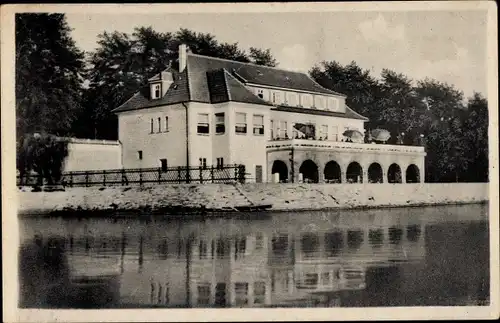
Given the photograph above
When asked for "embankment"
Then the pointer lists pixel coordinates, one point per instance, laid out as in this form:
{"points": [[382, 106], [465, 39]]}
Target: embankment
{"points": [[224, 197]]}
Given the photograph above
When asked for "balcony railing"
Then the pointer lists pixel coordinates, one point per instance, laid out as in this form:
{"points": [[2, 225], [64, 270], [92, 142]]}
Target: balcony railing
{"points": [[342, 145]]}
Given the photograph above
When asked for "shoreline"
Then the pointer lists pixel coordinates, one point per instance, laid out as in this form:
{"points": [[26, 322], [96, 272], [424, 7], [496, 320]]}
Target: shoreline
{"points": [[226, 200], [196, 213]]}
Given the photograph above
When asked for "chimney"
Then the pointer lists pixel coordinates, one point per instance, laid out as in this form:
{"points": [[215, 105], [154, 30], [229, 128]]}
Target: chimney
{"points": [[182, 57]]}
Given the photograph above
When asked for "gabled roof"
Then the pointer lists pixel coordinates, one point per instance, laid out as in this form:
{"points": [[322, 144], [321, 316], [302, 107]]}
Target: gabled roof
{"points": [[197, 66], [214, 80]]}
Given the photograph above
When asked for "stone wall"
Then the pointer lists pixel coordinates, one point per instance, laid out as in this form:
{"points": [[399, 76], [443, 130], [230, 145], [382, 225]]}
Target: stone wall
{"points": [[281, 196]]}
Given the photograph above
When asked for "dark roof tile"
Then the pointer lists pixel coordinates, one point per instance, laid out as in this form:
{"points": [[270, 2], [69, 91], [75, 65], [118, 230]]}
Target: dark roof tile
{"points": [[349, 113], [176, 93], [197, 66]]}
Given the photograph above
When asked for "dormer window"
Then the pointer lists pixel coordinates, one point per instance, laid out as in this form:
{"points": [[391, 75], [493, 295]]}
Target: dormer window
{"points": [[333, 104], [306, 100], [156, 91], [291, 99], [276, 98]]}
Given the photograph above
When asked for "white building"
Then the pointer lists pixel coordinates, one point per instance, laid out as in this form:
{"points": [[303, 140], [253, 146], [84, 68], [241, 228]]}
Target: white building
{"points": [[217, 112]]}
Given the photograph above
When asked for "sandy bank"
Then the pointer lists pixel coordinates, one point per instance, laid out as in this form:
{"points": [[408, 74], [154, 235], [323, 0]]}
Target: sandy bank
{"points": [[164, 198]]}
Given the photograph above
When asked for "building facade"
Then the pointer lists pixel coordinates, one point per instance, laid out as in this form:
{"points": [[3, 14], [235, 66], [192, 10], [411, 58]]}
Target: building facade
{"points": [[280, 124]]}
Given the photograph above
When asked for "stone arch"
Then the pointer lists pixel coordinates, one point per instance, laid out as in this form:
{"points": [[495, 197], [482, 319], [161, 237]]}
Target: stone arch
{"points": [[309, 171], [412, 174], [332, 172], [354, 173], [281, 168], [375, 173], [394, 174]]}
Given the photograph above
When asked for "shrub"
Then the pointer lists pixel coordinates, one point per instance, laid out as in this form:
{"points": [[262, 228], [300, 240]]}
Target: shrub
{"points": [[44, 154]]}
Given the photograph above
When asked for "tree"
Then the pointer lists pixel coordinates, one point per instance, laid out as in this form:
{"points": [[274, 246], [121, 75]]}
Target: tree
{"points": [[48, 74], [123, 63], [262, 57], [44, 154], [400, 108], [444, 130], [475, 130], [361, 89], [455, 133]]}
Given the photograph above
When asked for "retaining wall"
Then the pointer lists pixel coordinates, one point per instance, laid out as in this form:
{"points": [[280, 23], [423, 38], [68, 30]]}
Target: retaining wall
{"points": [[281, 196]]}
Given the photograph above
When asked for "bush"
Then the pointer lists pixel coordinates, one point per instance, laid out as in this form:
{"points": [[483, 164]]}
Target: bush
{"points": [[43, 154]]}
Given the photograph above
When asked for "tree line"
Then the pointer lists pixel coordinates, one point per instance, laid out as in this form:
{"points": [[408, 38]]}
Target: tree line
{"points": [[63, 91]]}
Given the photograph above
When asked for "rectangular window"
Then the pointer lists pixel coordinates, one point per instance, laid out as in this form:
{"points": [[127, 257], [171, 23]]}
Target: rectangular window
{"points": [[203, 249], [159, 124], [271, 127], [139, 154], [335, 136], [222, 249], [306, 100], [323, 132], [259, 292], [332, 104], [283, 130], [319, 102], [311, 279], [203, 293], [163, 165], [152, 126], [203, 124], [325, 278], [240, 246], [295, 133], [241, 122], [203, 163], [220, 127], [156, 91], [291, 99], [258, 124], [276, 98], [259, 241], [241, 291], [166, 124], [220, 163]]}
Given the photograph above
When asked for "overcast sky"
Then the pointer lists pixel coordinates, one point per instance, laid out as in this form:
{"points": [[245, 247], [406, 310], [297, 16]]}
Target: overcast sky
{"points": [[449, 46]]}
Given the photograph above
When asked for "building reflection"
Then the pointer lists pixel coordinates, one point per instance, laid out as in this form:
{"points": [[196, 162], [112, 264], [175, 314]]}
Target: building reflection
{"points": [[232, 264]]}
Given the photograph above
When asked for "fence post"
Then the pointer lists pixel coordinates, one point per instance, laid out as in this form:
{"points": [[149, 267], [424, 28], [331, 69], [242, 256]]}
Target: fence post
{"points": [[212, 173], [103, 178], [241, 177], [201, 175], [70, 179], [159, 175], [179, 174], [123, 176], [235, 173], [86, 179], [140, 176]]}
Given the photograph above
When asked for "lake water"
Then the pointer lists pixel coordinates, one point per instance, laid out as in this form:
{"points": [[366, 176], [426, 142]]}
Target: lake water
{"points": [[386, 257]]}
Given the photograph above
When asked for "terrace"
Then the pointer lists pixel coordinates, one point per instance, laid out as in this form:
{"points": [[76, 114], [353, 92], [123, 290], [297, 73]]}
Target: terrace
{"points": [[287, 144]]}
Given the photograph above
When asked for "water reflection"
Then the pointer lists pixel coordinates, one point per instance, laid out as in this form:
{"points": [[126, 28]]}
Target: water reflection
{"points": [[340, 259]]}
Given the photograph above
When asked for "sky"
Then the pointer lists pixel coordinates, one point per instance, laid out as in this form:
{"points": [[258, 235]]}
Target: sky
{"points": [[449, 46]]}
